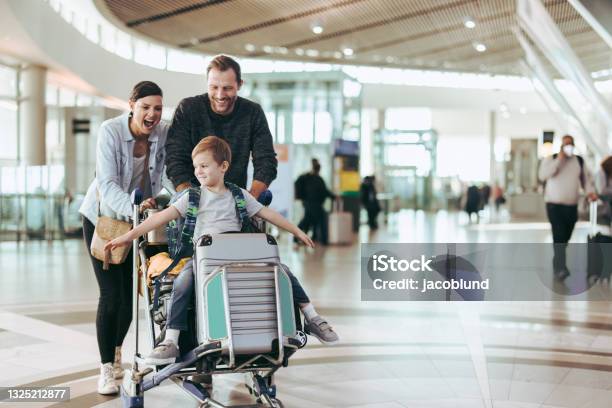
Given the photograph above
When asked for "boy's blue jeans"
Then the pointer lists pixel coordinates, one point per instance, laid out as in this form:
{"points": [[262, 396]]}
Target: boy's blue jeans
{"points": [[182, 293]]}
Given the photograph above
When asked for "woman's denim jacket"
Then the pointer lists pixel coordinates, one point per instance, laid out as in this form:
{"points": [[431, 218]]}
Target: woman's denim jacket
{"points": [[114, 167]]}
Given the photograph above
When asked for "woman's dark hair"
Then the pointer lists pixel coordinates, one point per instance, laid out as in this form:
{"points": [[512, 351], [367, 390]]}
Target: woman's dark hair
{"points": [[144, 89]]}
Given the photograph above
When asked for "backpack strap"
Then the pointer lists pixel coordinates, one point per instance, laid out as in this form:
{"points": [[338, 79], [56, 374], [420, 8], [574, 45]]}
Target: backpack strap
{"points": [[241, 210], [184, 245]]}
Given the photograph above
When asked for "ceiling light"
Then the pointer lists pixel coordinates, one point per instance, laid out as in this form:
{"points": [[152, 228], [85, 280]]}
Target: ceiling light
{"points": [[503, 107], [249, 47], [317, 29], [469, 22], [480, 47], [299, 51], [268, 49], [348, 51], [337, 55], [312, 53]]}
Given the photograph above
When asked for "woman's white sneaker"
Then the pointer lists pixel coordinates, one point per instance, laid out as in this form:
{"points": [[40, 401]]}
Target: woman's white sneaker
{"points": [[106, 381]]}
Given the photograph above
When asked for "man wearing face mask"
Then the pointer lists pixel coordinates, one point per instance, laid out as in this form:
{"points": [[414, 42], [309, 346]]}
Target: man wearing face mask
{"points": [[565, 174], [222, 113]]}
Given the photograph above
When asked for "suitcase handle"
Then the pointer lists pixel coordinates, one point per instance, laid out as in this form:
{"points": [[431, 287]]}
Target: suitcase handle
{"points": [[338, 205], [593, 216]]}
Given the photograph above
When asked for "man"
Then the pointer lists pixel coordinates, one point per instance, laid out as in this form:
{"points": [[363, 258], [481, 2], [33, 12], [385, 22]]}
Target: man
{"points": [[369, 200], [221, 112], [311, 189], [564, 174]]}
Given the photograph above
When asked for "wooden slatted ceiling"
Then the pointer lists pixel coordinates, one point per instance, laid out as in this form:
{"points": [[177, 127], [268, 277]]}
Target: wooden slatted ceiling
{"points": [[394, 33]]}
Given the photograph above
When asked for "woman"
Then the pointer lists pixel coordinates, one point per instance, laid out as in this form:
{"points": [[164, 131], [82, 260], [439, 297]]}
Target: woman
{"points": [[604, 188], [130, 154]]}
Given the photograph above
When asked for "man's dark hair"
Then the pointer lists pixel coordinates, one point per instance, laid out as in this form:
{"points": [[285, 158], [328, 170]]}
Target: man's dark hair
{"points": [[316, 166], [223, 63], [144, 89], [570, 136]]}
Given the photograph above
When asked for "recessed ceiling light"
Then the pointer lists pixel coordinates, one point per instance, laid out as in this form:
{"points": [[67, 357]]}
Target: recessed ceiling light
{"points": [[348, 51], [337, 55], [469, 22], [299, 51], [268, 49], [249, 47], [312, 53], [317, 29], [480, 47]]}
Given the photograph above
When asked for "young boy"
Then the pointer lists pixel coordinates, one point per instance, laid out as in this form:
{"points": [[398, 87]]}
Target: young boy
{"points": [[217, 214]]}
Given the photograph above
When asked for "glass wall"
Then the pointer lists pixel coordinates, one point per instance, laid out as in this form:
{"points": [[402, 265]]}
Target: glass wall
{"points": [[41, 202]]}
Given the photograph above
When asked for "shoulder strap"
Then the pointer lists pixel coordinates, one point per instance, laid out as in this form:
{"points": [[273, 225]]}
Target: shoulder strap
{"points": [[246, 225], [581, 163], [240, 201], [184, 246]]}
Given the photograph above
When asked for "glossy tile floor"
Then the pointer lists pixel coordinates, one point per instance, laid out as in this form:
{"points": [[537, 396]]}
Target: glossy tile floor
{"points": [[392, 354]]}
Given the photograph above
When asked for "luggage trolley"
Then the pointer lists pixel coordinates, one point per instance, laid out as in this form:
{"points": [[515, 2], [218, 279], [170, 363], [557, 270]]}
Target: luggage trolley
{"points": [[244, 319]]}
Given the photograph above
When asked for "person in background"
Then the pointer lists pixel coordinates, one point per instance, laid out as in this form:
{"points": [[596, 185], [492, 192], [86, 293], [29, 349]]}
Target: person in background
{"points": [[472, 202], [604, 187], [369, 200], [498, 197], [564, 175], [312, 190], [129, 154], [485, 195]]}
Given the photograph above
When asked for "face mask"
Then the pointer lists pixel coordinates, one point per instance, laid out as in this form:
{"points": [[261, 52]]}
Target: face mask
{"points": [[568, 150]]}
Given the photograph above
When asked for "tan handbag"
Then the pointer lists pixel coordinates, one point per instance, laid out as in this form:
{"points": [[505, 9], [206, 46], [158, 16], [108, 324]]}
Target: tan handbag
{"points": [[106, 230]]}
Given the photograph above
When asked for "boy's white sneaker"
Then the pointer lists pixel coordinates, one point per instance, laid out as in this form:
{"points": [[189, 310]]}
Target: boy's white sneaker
{"points": [[318, 327], [106, 381]]}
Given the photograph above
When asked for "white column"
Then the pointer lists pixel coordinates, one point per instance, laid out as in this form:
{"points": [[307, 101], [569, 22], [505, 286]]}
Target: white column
{"points": [[33, 116]]}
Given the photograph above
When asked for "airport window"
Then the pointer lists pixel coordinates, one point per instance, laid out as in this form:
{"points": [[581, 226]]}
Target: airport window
{"points": [[7, 81], [271, 118], [185, 62], [323, 127], [124, 45], [149, 54], [93, 32], [408, 118], [464, 156], [8, 129], [302, 132], [280, 128], [107, 40]]}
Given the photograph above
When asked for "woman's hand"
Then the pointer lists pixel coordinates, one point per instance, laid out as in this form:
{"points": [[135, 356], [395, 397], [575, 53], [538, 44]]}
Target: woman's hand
{"points": [[123, 240], [302, 236], [147, 204]]}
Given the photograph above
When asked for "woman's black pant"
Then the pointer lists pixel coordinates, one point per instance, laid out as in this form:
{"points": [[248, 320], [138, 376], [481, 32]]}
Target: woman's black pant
{"points": [[115, 302]]}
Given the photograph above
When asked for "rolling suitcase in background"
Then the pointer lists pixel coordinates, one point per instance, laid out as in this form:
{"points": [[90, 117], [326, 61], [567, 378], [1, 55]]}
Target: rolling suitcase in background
{"points": [[599, 251], [340, 229]]}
